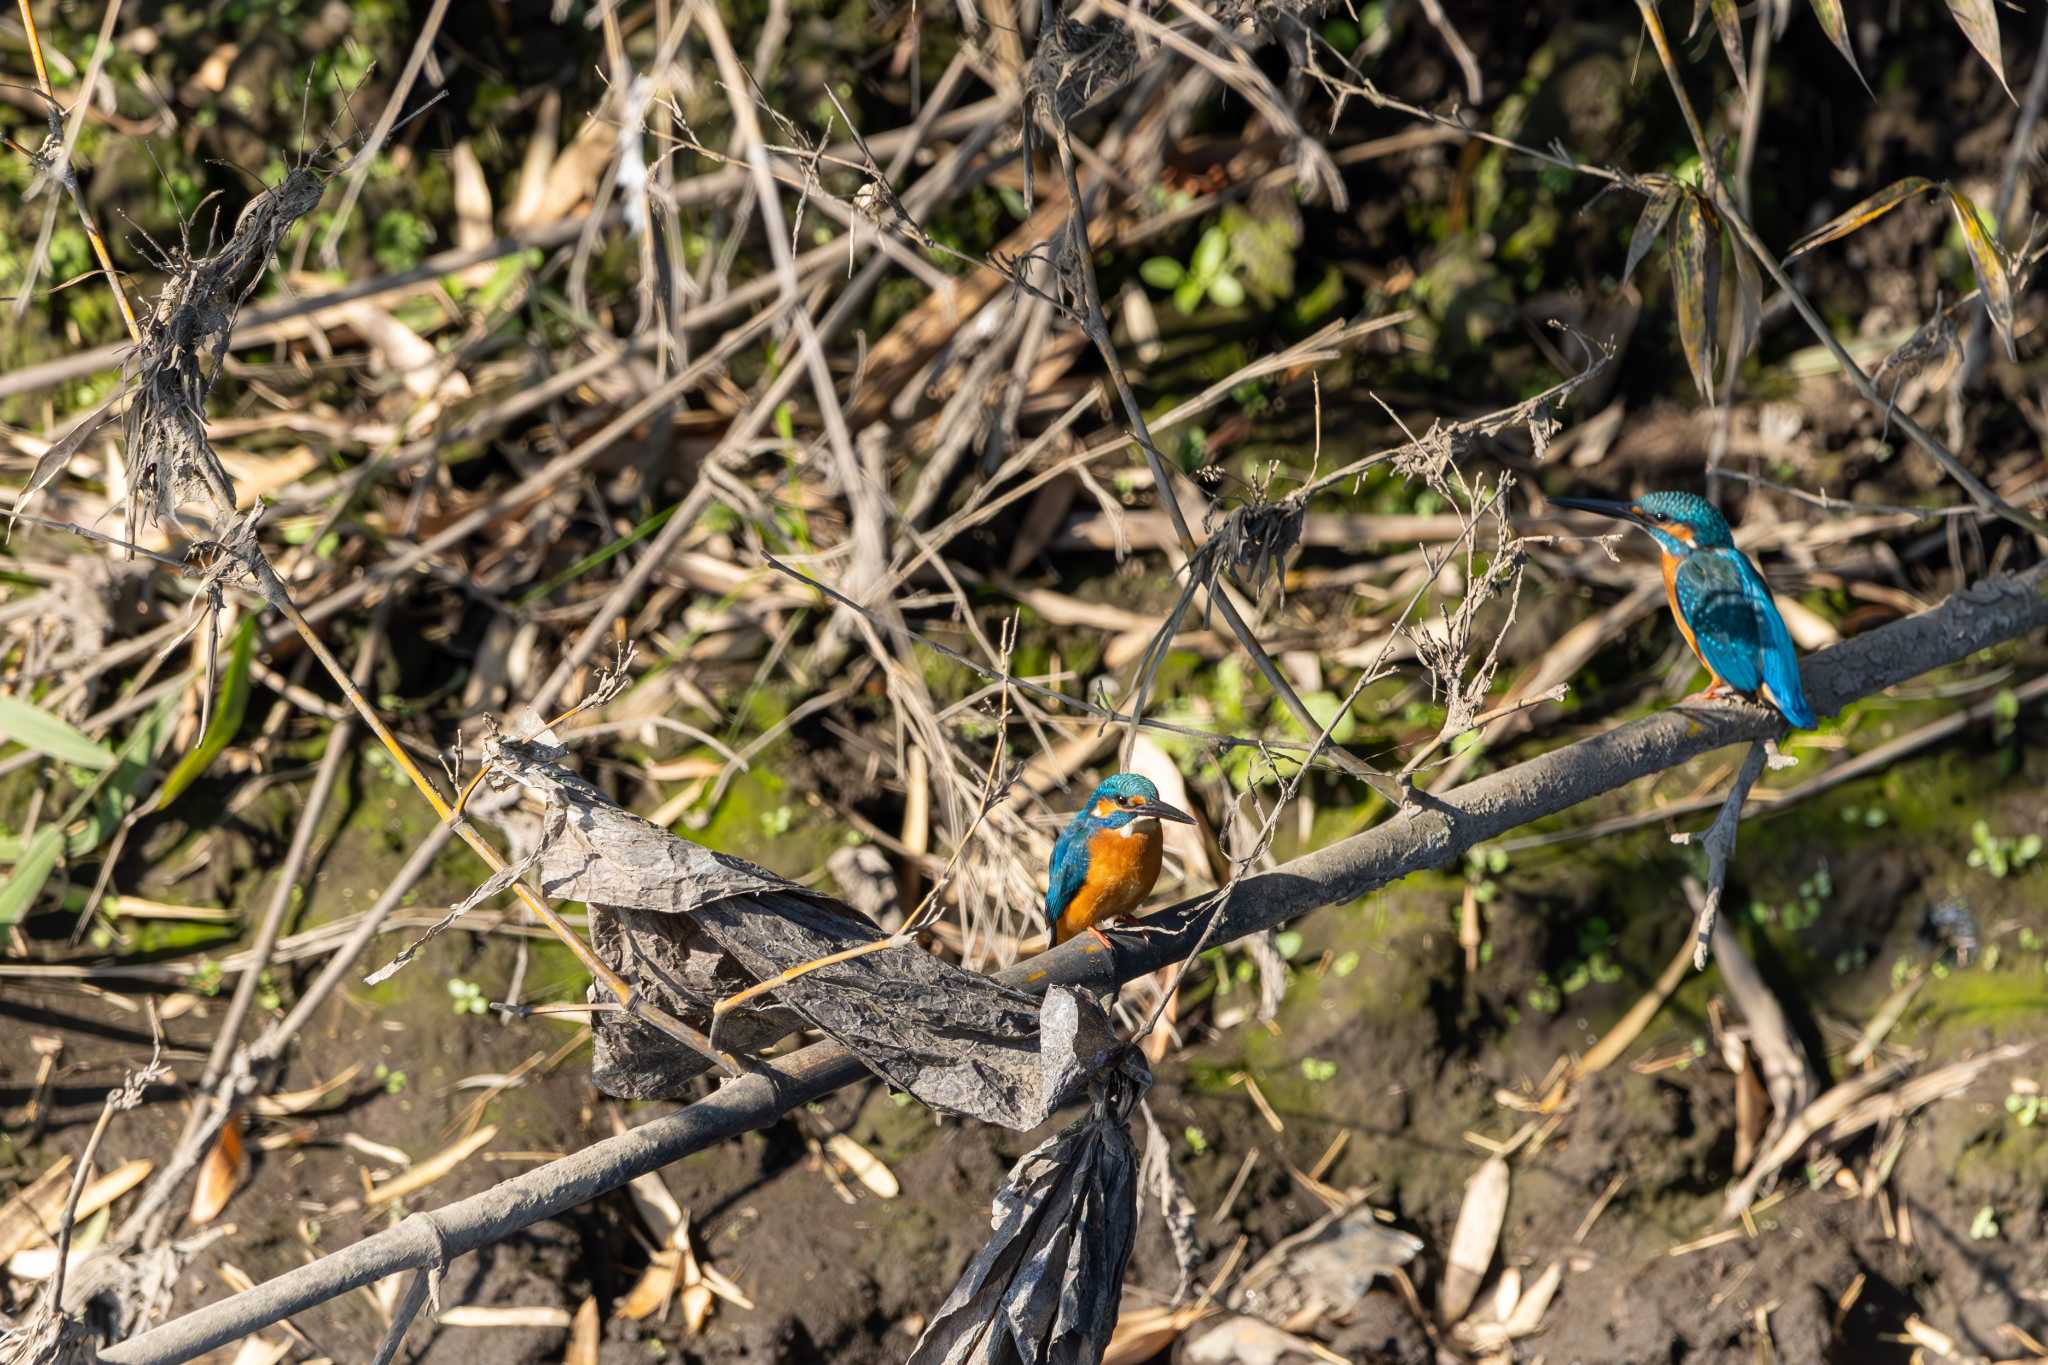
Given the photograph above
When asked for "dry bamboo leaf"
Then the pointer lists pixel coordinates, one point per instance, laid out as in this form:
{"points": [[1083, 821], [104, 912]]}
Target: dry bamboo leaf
{"points": [[1988, 263], [658, 1208], [1730, 26], [1810, 630], [697, 1301], [94, 1197], [865, 1165], [1862, 214], [1979, 22], [657, 1284], [586, 1333], [1836, 26], [402, 352], [220, 1173], [259, 1351], [540, 158], [1527, 1317], [288, 1102], [1474, 1240], [477, 1316], [1250, 1341], [1695, 260], [573, 177], [1749, 310], [1142, 1333], [432, 1169], [40, 1262], [472, 211], [33, 1211], [1649, 224]]}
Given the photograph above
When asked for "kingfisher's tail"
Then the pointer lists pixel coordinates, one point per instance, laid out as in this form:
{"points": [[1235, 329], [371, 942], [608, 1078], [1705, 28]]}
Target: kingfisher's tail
{"points": [[1781, 671]]}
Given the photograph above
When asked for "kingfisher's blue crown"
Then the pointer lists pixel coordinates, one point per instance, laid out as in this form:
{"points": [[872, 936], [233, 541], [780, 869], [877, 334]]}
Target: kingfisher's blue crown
{"points": [[1709, 528], [1117, 786]]}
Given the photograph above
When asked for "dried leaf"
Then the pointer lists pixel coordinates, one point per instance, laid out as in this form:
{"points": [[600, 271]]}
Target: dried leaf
{"points": [[697, 1301], [1832, 22], [1324, 1269], [586, 1334], [477, 1315], [1649, 224], [1866, 212], [1474, 1240], [1249, 1341], [656, 1285], [288, 1102], [1142, 1333], [1695, 260], [1730, 26], [221, 1172], [433, 1168], [1749, 309], [1988, 262], [1047, 1285], [865, 1165], [1979, 22], [35, 1208], [53, 460]]}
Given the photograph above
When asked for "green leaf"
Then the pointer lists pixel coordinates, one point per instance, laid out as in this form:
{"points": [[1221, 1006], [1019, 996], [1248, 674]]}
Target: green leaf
{"points": [[1979, 23], [1866, 212], [34, 728], [1695, 260], [1161, 272], [1187, 295], [1226, 291], [1988, 262], [227, 718], [1832, 22], [1207, 261], [25, 883]]}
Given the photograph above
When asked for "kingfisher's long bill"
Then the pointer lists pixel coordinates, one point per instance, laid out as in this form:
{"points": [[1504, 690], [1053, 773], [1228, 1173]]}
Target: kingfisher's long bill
{"points": [[1721, 603], [1107, 858]]}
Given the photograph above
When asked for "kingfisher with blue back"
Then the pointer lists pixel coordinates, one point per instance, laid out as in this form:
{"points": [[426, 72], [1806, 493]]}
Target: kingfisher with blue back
{"points": [[1107, 858], [1721, 603]]}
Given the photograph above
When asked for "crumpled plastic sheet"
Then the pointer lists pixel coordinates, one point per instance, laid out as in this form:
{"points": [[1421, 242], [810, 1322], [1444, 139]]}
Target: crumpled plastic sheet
{"points": [[689, 927], [1046, 1288]]}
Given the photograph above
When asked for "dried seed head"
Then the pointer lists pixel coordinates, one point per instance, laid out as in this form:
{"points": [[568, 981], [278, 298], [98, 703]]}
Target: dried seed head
{"points": [[1075, 64]]}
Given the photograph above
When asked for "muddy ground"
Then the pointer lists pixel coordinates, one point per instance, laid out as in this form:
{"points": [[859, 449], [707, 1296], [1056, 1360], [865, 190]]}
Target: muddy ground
{"points": [[1383, 1041]]}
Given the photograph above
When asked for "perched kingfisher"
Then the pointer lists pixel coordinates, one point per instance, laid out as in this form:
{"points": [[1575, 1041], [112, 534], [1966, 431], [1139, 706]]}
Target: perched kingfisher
{"points": [[1721, 603], [1107, 857]]}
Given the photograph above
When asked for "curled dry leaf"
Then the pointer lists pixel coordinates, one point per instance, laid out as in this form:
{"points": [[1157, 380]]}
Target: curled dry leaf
{"points": [[1142, 1333], [1987, 261], [1474, 1240], [1695, 259], [1862, 214], [1326, 1268], [656, 1286], [288, 1102], [221, 1173]]}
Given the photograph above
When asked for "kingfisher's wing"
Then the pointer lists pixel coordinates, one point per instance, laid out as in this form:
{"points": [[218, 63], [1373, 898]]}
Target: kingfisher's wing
{"points": [[1069, 870], [1720, 605], [1778, 656]]}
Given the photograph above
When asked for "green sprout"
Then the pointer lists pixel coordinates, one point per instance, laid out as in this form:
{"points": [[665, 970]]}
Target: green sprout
{"points": [[1206, 275], [469, 997]]}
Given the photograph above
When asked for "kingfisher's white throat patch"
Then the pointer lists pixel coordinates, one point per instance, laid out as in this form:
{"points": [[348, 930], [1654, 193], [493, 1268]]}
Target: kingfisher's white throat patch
{"points": [[1147, 825]]}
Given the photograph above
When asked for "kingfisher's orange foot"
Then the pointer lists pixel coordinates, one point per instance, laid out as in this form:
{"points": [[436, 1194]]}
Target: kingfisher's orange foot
{"points": [[1103, 939], [1719, 691]]}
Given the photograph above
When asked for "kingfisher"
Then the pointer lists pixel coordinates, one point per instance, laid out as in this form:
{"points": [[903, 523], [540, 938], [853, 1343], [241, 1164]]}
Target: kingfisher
{"points": [[1721, 603], [1107, 858]]}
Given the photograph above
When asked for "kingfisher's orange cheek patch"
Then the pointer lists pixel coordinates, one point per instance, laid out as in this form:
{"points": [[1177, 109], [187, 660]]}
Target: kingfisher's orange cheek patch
{"points": [[1104, 809]]}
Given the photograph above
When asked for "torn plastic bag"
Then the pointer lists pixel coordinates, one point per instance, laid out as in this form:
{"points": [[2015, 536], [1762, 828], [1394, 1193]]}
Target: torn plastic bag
{"points": [[1046, 1288]]}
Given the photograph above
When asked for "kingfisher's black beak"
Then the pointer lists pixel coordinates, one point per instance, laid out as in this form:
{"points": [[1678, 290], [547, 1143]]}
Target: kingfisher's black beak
{"points": [[1620, 511], [1159, 810]]}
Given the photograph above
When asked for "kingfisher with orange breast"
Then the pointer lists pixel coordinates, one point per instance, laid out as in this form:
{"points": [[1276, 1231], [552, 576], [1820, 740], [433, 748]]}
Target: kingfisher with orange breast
{"points": [[1721, 603], [1107, 858]]}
